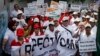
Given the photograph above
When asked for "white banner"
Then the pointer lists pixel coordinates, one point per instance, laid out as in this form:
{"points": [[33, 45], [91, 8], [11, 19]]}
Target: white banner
{"points": [[39, 46], [87, 46], [62, 45]]}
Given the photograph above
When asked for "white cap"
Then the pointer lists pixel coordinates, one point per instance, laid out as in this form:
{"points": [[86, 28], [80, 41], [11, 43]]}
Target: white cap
{"points": [[87, 16], [92, 20], [95, 13], [51, 23], [75, 13], [81, 23], [65, 18], [77, 20], [42, 15], [19, 12], [96, 20], [83, 16], [84, 11], [15, 19], [55, 19], [87, 25], [36, 20]]}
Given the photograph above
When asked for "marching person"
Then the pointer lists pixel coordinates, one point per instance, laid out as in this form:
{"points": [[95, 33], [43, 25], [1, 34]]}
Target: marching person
{"points": [[66, 24], [50, 32], [9, 37], [75, 15], [18, 42], [37, 31], [66, 35], [80, 30], [34, 20], [93, 26], [27, 31], [46, 23], [75, 24], [88, 35], [87, 18], [21, 20], [58, 27], [20, 38], [16, 11]]}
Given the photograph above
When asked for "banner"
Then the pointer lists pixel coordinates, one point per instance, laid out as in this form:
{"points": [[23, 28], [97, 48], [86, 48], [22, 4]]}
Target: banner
{"points": [[66, 44], [39, 46], [61, 45], [87, 46]]}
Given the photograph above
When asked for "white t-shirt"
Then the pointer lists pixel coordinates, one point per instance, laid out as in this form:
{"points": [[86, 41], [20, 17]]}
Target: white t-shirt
{"points": [[94, 30], [84, 37], [72, 20], [50, 34], [46, 23], [69, 27], [10, 36], [75, 27], [21, 22], [59, 28]]}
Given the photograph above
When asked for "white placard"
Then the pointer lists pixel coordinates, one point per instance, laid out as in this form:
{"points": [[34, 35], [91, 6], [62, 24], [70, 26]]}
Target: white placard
{"points": [[63, 5], [31, 9], [75, 7], [40, 2], [87, 46], [41, 9]]}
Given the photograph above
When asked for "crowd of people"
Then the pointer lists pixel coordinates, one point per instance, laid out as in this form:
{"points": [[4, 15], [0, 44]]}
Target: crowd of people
{"points": [[82, 26]]}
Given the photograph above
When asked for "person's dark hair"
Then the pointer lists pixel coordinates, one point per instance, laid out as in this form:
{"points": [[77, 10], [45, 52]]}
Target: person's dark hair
{"points": [[51, 25], [88, 27], [22, 9], [16, 5], [11, 23], [19, 16]]}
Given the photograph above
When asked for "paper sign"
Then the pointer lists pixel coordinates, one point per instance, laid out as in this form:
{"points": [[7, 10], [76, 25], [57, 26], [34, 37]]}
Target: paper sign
{"points": [[75, 7], [40, 2], [87, 46]]}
